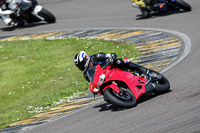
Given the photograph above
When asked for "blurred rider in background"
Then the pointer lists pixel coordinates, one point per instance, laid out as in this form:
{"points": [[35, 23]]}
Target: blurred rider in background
{"points": [[9, 7], [144, 5], [83, 61], [5, 12]]}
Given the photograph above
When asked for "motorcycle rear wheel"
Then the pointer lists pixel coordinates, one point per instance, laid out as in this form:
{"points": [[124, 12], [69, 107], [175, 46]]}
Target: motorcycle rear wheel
{"points": [[183, 5], [162, 85], [126, 101], [48, 16]]}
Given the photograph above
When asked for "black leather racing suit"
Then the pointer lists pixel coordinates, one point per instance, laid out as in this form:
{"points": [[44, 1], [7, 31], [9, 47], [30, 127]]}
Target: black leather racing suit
{"points": [[103, 58]]}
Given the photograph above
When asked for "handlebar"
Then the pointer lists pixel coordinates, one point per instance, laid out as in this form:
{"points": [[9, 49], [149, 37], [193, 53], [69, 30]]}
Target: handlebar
{"points": [[105, 66]]}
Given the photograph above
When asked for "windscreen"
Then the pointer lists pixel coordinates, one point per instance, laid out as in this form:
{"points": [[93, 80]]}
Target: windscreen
{"points": [[90, 72], [25, 4]]}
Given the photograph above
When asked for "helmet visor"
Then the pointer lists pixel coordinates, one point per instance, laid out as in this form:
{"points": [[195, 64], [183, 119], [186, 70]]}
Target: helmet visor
{"points": [[87, 63]]}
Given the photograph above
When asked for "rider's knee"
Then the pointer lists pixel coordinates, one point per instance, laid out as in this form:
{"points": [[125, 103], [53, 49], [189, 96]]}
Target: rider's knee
{"points": [[7, 20]]}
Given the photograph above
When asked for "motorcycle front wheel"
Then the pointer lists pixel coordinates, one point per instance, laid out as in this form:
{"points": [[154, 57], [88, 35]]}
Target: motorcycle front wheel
{"points": [[183, 5], [124, 99], [47, 15]]}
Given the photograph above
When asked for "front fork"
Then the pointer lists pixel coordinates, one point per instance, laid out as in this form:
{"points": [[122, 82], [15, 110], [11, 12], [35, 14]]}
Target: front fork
{"points": [[36, 10]]}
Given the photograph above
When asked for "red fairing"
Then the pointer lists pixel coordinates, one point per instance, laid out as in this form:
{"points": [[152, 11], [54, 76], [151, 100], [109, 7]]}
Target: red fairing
{"points": [[123, 88], [113, 86], [135, 83]]}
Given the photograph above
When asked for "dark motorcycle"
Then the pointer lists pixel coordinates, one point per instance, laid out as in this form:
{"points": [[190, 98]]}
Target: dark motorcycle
{"points": [[28, 11], [166, 5], [160, 6]]}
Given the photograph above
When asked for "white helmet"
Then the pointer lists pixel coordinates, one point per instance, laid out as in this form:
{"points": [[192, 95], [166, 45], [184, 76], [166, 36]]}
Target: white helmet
{"points": [[82, 60]]}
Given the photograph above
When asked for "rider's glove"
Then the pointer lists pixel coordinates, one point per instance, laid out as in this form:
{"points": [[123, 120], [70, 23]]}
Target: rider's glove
{"points": [[110, 58], [109, 61]]}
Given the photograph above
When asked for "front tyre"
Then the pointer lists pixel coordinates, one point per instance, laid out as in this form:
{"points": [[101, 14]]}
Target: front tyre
{"points": [[183, 5], [48, 16], [124, 99]]}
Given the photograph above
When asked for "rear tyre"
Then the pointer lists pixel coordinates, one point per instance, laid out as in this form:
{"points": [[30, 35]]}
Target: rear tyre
{"points": [[183, 5], [125, 99], [48, 16], [162, 85]]}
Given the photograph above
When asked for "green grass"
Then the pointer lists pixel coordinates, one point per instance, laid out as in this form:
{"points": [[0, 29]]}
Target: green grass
{"points": [[35, 74]]}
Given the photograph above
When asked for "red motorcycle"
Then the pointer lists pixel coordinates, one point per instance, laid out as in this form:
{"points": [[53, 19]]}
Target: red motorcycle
{"points": [[124, 87]]}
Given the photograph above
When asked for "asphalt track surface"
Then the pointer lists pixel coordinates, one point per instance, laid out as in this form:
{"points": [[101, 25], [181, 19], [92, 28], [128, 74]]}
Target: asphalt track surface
{"points": [[175, 112]]}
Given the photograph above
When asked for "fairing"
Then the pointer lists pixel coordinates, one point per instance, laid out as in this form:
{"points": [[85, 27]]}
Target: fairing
{"points": [[135, 83]]}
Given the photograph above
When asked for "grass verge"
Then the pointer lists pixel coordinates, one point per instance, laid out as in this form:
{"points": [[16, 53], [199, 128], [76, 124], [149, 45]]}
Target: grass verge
{"points": [[36, 75]]}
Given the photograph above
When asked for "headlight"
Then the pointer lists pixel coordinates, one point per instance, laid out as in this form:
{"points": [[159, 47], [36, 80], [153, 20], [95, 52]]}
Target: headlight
{"points": [[102, 78], [96, 89]]}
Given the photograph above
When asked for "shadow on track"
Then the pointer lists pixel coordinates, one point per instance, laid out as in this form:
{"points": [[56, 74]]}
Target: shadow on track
{"points": [[31, 25], [112, 107], [161, 14]]}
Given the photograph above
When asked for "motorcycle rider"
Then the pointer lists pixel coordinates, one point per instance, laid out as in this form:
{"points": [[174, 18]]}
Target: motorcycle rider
{"points": [[8, 7], [5, 12], [144, 5], [83, 61]]}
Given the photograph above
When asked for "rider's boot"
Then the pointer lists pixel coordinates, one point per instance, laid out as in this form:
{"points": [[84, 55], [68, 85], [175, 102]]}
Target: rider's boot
{"points": [[149, 73], [142, 69], [145, 12], [125, 63], [147, 8]]}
